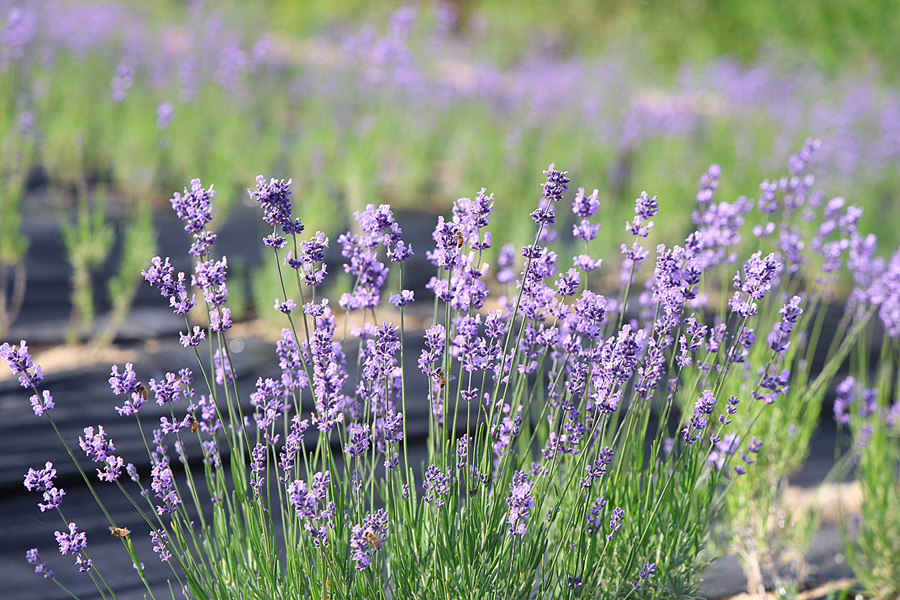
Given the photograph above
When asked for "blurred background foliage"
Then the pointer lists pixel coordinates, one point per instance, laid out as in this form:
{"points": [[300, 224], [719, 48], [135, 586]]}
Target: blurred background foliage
{"points": [[415, 104], [835, 34]]}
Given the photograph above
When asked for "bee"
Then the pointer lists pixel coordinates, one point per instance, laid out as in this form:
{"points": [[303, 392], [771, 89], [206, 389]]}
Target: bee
{"points": [[141, 389], [119, 532], [441, 378], [460, 239], [194, 423], [373, 539]]}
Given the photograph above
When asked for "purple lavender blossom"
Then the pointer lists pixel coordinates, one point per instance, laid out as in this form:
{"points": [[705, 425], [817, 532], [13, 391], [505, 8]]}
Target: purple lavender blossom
{"points": [[366, 539], [635, 254], [34, 558], [71, 542], [312, 253], [19, 361], [210, 277], [593, 517], [96, 446], [718, 231], [171, 287], [544, 215], [164, 113], [885, 293], [287, 307], [127, 383], [222, 367], [651, 370], [434, 348], [722, 449], [797, 162], [293, 376], [402, 299], [436, 484], [447, 253], [164, 486], [759, 273], [21, 28], [42, 481], [42, 404], [646, 571], [589, 314], [269, 402], [370, 274], [293, 443], [360, 439], [307, 503], [646, 208], [709, 181], [781, 330], [586, 206], [615, 522], [168, 390], [568, 284], [776, 384], [506, 432], [703, 407], [586, 231], [195, 208], [328, 368], [556, 185], [505, 262], [160, 541], [84, 565], [192, 340], [275, 198], [520, 502], [121, 81], [257, 468], [617, 361]]}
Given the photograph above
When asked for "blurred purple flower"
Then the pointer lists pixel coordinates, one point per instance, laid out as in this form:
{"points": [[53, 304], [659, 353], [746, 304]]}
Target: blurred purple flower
{"points": [[164, 113]]}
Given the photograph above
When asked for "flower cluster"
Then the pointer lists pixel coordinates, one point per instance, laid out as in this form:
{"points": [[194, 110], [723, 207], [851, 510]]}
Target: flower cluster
{"points": [[367, 539], [42, 481], [19, 361], [275, 199], [520, 502], [34, 558], [308, 501]]}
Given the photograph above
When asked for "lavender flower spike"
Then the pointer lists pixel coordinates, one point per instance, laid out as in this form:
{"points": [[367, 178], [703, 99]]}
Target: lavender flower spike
{"points": [[41, 569], [71, 542], [19, 361], [556, 185], [520, 501], [39, 405]]}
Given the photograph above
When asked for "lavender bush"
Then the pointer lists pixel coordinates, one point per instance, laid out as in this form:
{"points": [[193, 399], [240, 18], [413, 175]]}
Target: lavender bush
{"points": [[873, 422], [580, 444]]}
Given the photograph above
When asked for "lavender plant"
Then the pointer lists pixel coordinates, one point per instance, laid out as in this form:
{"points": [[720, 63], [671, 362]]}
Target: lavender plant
{"points": [[863, 405], [17, 152], [786, 374], [579, 445], [139, 236], [88, 242]]}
